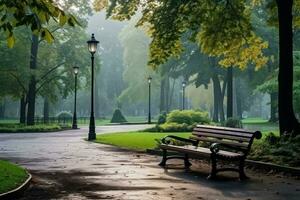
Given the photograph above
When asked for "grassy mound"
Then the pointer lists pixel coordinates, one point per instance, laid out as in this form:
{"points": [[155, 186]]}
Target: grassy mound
{"points": [[11, 176]]}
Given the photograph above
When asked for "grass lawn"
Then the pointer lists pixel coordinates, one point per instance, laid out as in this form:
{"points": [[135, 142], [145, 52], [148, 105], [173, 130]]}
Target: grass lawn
{"points": [[11, 176], [260, 125], [135, 140], [141, 140]]}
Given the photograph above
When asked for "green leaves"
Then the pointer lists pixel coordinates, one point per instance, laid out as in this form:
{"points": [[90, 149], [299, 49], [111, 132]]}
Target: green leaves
{"points": [[46, 35], [11, 41], [35, 14]]}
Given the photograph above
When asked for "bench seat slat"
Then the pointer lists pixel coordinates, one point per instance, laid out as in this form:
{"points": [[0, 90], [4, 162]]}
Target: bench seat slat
{"points": [[198, 150], [215, 140], [214, 135], [222, 132], [239, 130]]}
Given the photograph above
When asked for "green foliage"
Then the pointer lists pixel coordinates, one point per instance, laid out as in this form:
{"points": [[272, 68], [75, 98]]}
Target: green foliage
{"points": [[226, 29], [175, 127], [118, 117], [19, 128], [279, 150], [162, 118], [188, 117], [11, 176], [233, 123], [35, 14]]}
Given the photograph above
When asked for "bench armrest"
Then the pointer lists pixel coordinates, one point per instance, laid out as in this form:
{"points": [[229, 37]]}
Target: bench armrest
{"points": [[215, 148], [166, 140]]}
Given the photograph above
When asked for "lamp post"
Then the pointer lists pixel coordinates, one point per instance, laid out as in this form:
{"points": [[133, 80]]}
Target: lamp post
{"points": [[92, 47], [183, 94], [149, 101], [74, 125]]}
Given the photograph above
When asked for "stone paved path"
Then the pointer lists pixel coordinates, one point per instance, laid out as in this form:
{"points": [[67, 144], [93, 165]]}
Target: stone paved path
{"points": [[64, 166]]}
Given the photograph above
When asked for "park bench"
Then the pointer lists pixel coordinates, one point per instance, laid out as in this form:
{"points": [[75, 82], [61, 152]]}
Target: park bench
{"points": [[216, 143]]}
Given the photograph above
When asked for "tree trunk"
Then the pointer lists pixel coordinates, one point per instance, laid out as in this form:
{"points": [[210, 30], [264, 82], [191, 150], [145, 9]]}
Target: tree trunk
{"points": [[46, 110], [217, 92], [287, 120], [23, 110], [221, 102], [171, 95], [2, 109], [273, 105], [229, 92], [167, 94], [162, 95], [238, 97], [32, 84]]}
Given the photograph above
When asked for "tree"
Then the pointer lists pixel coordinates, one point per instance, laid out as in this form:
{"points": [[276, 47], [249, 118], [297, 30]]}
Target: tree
{"points": [[222, 28]]}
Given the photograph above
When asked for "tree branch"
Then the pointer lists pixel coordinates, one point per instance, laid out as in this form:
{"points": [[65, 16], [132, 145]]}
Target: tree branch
{"points": [[19, 82], [51, 70]]}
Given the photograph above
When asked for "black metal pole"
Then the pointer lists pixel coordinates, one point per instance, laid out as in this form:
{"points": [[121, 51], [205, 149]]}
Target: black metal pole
{"points": [[149, 104], [92, 133], [183, 97], [74, 125]]}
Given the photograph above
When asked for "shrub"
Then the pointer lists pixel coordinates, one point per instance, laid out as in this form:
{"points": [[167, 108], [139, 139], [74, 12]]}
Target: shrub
{"points": [[30, 129], [173, 127], [233, 123], [118, 117], [282, 150], [188, 117], [162, 118]]}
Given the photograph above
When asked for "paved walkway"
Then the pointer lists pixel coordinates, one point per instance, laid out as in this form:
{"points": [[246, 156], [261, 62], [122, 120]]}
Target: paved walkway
{"points": [[64, 166]]}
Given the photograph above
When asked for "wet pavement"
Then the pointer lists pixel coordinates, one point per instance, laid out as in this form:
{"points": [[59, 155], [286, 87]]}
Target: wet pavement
{"points": [[65, 166]]}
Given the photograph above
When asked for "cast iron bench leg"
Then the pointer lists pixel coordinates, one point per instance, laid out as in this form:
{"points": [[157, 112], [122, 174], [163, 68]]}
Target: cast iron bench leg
{"points": [[164, 158], [213, 172], [241, 170], [187, 163]]}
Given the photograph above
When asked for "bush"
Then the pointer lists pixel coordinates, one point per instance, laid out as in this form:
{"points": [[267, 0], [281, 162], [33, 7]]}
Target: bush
{"points": [[118, 117], [20, 128], [233, 123], [282, 150], [189, 117], [162, 118]]}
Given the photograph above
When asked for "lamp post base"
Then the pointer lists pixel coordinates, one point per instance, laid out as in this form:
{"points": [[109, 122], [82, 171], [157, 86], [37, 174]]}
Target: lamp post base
{"points": [[74, 126], [92, 132]]}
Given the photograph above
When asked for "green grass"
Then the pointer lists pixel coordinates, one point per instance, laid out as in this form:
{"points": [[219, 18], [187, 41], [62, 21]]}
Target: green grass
{"points": [[260, 125], [254, 121], [142, 140], [11, 176], [20, 128], [135, 140]]}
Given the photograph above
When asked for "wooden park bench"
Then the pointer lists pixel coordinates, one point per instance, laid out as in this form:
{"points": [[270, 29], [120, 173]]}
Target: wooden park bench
{"points": [[216, 143]]}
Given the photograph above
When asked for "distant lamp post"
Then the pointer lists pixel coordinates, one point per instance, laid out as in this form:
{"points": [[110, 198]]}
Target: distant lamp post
{"points": [[149, 101], [183, 94], [74, 125], [92, 47]]}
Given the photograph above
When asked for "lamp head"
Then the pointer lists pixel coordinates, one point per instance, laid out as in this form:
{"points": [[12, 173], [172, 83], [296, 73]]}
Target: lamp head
{"points": [[92, 44]]}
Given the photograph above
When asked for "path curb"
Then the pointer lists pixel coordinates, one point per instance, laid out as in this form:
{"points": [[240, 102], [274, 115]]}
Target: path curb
{"points": [[18, 192], [251, 163]]}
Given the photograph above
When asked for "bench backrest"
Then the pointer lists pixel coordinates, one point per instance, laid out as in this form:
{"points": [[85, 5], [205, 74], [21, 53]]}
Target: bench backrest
{"points": [[238, 138]]}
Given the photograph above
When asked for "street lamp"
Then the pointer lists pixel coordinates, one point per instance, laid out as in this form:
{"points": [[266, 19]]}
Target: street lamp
{"points": [[149, 101], [183, 94], [92, 47], [74, 125]]}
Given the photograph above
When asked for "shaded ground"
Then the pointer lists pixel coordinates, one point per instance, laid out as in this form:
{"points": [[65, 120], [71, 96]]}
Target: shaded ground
{"points": [[64, 166]]}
